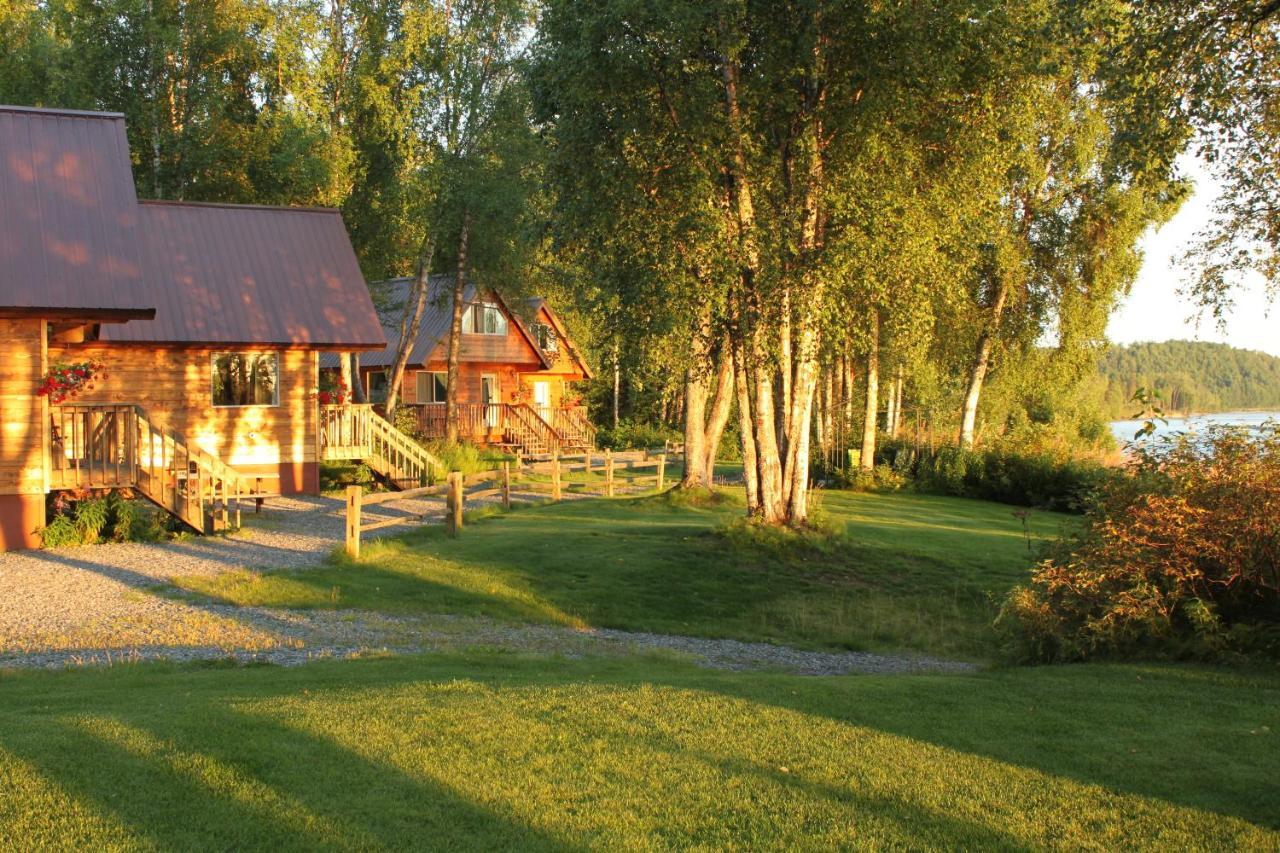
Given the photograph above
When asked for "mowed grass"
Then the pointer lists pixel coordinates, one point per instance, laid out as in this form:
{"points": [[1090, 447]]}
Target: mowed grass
{"points": [[912, 572], [503, 752]]}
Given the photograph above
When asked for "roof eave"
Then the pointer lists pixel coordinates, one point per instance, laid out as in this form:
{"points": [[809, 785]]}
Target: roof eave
{"points": [[88, 315]]}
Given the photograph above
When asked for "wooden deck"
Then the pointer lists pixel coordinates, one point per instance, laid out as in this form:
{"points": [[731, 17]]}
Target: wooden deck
{"points": [[120, 446], [520, 426]]}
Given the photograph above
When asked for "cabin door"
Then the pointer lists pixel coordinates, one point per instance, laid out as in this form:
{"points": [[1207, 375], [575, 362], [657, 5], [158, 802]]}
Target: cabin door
{"points": [[542, 399], [490, 396]]}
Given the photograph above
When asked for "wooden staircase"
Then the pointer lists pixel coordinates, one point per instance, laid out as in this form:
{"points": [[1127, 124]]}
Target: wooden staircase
{"points": [[356, 432], [574, 428], [120, 446], [526, 430]]}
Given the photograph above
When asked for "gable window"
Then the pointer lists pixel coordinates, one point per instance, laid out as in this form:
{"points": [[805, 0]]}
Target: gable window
{"points": [[545, 336], [484, 318], [377, 388], [432, 387], [246, 379]]}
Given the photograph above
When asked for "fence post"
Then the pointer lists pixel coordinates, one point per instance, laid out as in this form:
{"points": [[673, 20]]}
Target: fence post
{"points": [[455, 502], [608, 473], [355, 495], [587, 457], [644, 453], [506, 485], [662, 471], [555, 476]]}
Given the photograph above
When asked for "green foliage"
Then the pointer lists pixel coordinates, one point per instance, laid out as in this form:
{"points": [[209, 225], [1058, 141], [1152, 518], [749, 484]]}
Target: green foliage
{"points": [[1178, 559], [466, 457], [1003, 473], [337, 476], [881, 478], [406, 420], [112, 517], [631, 435], [1190, 376]]}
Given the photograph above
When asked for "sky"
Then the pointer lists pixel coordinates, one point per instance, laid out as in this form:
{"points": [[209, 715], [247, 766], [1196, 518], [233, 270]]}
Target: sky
{"points": [[1154, 311]]}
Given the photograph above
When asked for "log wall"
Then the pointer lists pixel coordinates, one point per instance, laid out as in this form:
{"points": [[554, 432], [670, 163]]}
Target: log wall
{"points": [[175, 386], [23, 420]]}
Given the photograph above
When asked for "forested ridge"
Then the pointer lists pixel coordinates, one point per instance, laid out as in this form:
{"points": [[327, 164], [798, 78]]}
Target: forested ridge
{"points": [[1191, 376]]}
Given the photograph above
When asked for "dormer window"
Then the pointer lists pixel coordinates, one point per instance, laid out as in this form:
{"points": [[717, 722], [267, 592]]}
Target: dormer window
{"points": [[545, 336], [484, 318]]}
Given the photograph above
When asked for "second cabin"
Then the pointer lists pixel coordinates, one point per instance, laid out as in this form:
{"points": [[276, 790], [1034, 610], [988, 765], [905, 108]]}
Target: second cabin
{"points": [[516, 371]]}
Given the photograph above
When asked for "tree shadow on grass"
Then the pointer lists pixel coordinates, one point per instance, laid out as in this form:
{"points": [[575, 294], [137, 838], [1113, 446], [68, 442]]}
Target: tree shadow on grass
{"points": [[304, 786], [199, 775], [1165, 732]]}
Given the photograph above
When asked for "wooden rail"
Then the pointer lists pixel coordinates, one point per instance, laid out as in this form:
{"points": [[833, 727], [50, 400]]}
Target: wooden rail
{"points": [[531, 430], [355, 431], [496, 483], [119, 446]]}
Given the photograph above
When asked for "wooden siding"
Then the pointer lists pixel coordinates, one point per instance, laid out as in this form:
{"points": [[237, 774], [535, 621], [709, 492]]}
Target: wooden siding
{"points": [[175, 387], [509, 349], [25, 414], [564, 363]]}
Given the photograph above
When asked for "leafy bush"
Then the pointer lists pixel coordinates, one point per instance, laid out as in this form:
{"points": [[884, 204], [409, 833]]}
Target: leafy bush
{"points": [[91, 519], [1045, 480], [632, 434], [406, 420], [465, 457], [1180, 559], [335, 476], [882, 478]]}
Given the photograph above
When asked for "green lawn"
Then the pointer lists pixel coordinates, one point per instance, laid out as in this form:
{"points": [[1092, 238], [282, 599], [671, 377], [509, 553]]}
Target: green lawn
{"points": [[912, 572], [493, 751]]}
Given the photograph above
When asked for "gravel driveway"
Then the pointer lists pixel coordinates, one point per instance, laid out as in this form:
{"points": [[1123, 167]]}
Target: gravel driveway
{"points": [[98, 604]]}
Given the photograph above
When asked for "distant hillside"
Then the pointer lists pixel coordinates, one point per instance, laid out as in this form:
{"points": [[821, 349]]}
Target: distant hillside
{"points": [[1191, 376]]}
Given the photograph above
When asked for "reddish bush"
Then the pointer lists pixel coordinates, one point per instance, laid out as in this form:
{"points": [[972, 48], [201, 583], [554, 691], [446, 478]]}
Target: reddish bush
{"points": [[1182, 558]]}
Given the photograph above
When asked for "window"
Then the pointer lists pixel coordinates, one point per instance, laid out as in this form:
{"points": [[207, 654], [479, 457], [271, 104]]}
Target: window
{"points": [[246, 379], [482, 318], [545, 336], [377, 386], [432, 387]]}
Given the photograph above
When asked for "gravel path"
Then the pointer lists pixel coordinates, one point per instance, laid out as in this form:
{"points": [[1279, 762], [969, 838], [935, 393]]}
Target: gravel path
{"points": [[98, 605]]}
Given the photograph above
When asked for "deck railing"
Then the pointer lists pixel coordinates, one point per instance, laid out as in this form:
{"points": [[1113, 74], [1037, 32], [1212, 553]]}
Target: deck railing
{"points": [[574, 427], [107, 446], [92, 446], [357, 431], [477, 422], [536, 429]]}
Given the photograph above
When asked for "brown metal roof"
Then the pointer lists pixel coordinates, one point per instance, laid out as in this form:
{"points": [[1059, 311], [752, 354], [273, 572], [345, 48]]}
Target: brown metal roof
{"points": [[68, 216], [244, 274]]}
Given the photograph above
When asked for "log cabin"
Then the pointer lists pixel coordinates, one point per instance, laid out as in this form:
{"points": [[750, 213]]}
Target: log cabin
{"points": [[516, 368], [167, 348]]}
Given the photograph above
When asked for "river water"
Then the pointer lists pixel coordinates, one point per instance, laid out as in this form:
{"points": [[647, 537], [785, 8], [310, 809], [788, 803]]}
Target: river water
{"points": [[1124, 430]]}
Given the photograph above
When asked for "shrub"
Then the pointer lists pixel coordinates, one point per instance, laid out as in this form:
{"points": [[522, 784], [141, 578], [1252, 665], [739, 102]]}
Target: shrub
{"points": [[465, 457], [1180, 559], [1041, 479], [90, 519], [631, 434], [335, 476], [882, 478]]}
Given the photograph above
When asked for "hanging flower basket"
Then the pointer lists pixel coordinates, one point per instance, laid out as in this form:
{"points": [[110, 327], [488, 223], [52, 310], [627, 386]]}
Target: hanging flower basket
{"points": [[64, 381]]}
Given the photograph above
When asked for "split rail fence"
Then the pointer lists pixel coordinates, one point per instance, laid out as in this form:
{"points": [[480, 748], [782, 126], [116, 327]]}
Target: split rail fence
{"points": [[545, 477]]}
